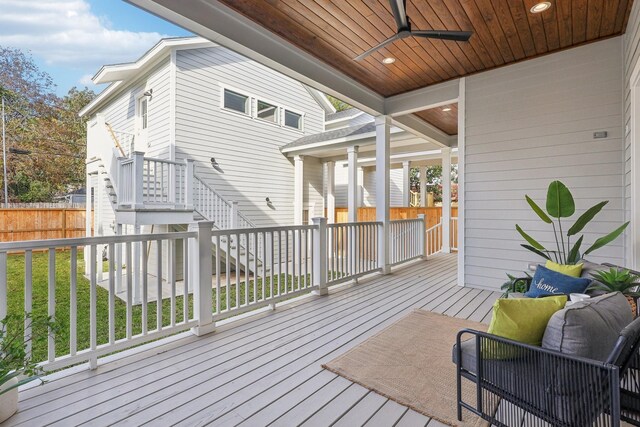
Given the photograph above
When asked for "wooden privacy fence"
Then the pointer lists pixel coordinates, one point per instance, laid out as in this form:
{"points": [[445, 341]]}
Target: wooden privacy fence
{"points": [[432, 215], [41, 224]]}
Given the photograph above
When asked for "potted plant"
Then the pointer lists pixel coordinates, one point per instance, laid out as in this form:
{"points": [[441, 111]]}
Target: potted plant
{"points": [[560, 204], [16, 365], [616, 280], [516, 284]]}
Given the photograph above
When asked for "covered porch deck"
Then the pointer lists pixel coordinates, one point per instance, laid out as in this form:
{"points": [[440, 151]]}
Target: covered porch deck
{"points": [[265, 369]]}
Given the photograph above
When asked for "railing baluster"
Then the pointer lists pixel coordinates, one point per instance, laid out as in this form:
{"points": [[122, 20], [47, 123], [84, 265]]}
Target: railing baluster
{"points": [[171, 267], [218, 263], [145, 288], [93, 300], [129, 297], [227, 271], [159, 285], [112, 295], [52, 297], [28, 297], [186, 279]]}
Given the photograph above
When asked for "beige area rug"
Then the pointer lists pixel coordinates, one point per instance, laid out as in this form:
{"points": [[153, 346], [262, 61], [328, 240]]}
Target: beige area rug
{"points": [[410, 362]]}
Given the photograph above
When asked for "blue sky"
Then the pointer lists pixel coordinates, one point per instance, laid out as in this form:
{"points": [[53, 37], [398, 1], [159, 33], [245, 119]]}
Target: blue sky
{"points": [[71, 39]]}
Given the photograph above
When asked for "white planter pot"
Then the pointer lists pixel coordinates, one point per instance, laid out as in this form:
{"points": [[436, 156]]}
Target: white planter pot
{"points": [[9, 401]]}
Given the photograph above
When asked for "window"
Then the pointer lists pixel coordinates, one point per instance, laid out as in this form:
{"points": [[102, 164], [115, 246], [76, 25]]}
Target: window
{"points": [[143, 112], [236, 102], [268, 112], [292, 120]]}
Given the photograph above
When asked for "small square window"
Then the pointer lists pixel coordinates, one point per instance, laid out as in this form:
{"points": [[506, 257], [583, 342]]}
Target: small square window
{"points": [[236, 101], [268, 112], [292, 120]]}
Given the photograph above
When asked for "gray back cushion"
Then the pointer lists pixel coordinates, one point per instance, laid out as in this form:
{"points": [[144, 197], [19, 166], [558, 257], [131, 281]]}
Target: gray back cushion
{"points": [[589, 267], [588, 328]]}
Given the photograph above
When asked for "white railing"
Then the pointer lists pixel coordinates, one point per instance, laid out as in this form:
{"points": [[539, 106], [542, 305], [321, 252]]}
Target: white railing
{"points": [[126, 141], [126, 174], [97, 321], [434, 239], [352, 250], [278, 266], [164, 182], [213, 207], [406, 240], [219, 274]]}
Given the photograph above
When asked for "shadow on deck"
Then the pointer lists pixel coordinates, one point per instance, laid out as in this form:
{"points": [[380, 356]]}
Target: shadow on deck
{"points": [[265, 369]]}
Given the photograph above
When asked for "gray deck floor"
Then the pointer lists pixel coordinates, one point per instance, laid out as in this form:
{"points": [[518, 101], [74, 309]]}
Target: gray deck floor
{"points": [[264, 370]]}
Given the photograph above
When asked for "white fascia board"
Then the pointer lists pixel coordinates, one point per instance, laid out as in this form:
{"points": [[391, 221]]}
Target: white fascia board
{"points": [[105, 94], [220, 24], [422, 129], [322, 99], [421, 99], [344, 141], [118, 72], [344, 119]]}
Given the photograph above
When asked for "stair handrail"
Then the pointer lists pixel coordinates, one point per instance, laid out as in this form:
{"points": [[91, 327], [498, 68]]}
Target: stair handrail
{"points": [[243, 221], [115, 139]]}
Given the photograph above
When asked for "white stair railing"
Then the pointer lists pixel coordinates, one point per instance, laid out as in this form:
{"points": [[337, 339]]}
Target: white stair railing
{"points": [[434, 239], [406, 241]]}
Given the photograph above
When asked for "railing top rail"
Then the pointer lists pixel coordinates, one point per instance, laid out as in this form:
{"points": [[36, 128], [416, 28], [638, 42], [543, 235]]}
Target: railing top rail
{"points": [[207, 186], [405, 220], [217, 232], [345, 224], [97, 240], [171, 162], [125, 160], [123, 132]]}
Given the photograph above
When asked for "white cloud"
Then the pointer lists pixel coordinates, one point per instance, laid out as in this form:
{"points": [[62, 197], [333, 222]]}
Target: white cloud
{"points": [[65, 33]]}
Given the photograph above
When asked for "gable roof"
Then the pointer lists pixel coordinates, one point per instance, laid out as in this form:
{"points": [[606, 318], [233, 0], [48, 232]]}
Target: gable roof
{"points": [[343, 115]]}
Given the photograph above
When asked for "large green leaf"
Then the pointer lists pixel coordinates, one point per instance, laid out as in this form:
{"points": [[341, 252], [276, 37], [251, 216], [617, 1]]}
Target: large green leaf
{"points": [[574, 254], [530, 239], [535, 251], [585, 218], [537, 209], [560, 202], [602, 241]]}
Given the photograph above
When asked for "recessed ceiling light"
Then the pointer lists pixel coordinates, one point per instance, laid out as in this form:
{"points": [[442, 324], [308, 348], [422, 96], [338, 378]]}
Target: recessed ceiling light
{"points": [[540, 7], [388, 60], [446, 109]]}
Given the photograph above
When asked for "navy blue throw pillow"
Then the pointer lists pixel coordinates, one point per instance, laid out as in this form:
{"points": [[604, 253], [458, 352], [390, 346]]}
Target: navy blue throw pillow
{"points": [[546, 282]]}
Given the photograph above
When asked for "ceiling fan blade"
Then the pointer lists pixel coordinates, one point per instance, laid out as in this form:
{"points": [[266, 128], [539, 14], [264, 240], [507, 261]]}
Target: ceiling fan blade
{"points": [[399, 14], [379, 46], [459, 36]]}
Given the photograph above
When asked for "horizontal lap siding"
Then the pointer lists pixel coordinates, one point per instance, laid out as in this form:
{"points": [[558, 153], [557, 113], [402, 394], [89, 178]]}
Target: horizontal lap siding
{"points": [[526, 125], [631, 53], [396, 186], [247, 150]]}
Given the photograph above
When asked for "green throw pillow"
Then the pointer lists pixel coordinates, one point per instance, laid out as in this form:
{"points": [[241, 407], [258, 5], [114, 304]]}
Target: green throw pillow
{"points": [[524, 319], [570, 270]]}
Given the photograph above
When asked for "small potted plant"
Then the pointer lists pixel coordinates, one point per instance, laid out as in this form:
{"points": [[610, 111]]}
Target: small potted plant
{"points": [[618, 280], [16, 365]]}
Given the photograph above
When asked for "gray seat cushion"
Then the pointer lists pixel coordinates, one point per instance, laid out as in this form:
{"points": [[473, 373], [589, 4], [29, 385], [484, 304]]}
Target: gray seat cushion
{"points": [[588, 328]]}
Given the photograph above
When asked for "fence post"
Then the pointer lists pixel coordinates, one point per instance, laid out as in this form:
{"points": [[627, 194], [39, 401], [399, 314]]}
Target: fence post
{"points": [[320, 256], [421, 238], [234, 215], [200, 273], [138, 180], [188, 182]]}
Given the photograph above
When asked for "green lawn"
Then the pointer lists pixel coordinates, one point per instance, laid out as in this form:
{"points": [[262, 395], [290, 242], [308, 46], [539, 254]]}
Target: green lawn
{"points": [[40, 292]]}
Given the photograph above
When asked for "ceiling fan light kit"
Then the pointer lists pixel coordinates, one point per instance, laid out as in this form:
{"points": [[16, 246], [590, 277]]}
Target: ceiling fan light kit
{"points": [[403, 26]]}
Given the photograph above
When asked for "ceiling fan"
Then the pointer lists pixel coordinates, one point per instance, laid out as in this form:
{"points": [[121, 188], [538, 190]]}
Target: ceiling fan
{"points": [[404, 30]]}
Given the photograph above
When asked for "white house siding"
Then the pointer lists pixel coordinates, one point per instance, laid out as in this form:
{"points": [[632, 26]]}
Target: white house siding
{"points": [[120, 113], [631, 53], [313, 186], [246, 149], [526, 125]]}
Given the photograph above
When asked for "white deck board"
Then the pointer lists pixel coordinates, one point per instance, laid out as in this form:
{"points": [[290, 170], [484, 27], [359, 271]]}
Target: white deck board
{"points": [[262, 370]]}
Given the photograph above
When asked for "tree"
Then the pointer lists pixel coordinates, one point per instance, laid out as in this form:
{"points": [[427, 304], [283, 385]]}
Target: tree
{"points": [[338, 104], [43, 125], [434, 181]]}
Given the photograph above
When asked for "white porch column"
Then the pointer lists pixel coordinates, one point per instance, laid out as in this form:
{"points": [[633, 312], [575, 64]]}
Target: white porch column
{"points": [[406, 182], [298, 190], [446, 199], [331, 191], [352, 192], [383, 163], [423, 186]]}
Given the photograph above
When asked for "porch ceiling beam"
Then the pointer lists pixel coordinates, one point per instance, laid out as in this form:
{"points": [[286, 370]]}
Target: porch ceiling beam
{"points": [[422, 129], [250, 39], [422, 99]]}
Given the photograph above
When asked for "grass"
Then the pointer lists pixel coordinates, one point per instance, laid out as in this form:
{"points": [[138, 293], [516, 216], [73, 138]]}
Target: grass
{"points": [[63, 298]]}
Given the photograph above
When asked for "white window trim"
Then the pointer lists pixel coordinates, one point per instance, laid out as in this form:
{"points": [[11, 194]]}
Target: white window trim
{"points": [[239, 92], [253, 109], [302, 119]]}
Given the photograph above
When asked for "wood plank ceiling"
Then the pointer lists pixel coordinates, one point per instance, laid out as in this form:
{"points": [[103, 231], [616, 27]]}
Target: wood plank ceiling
{"points": [[444, 118], [505, 31]]}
